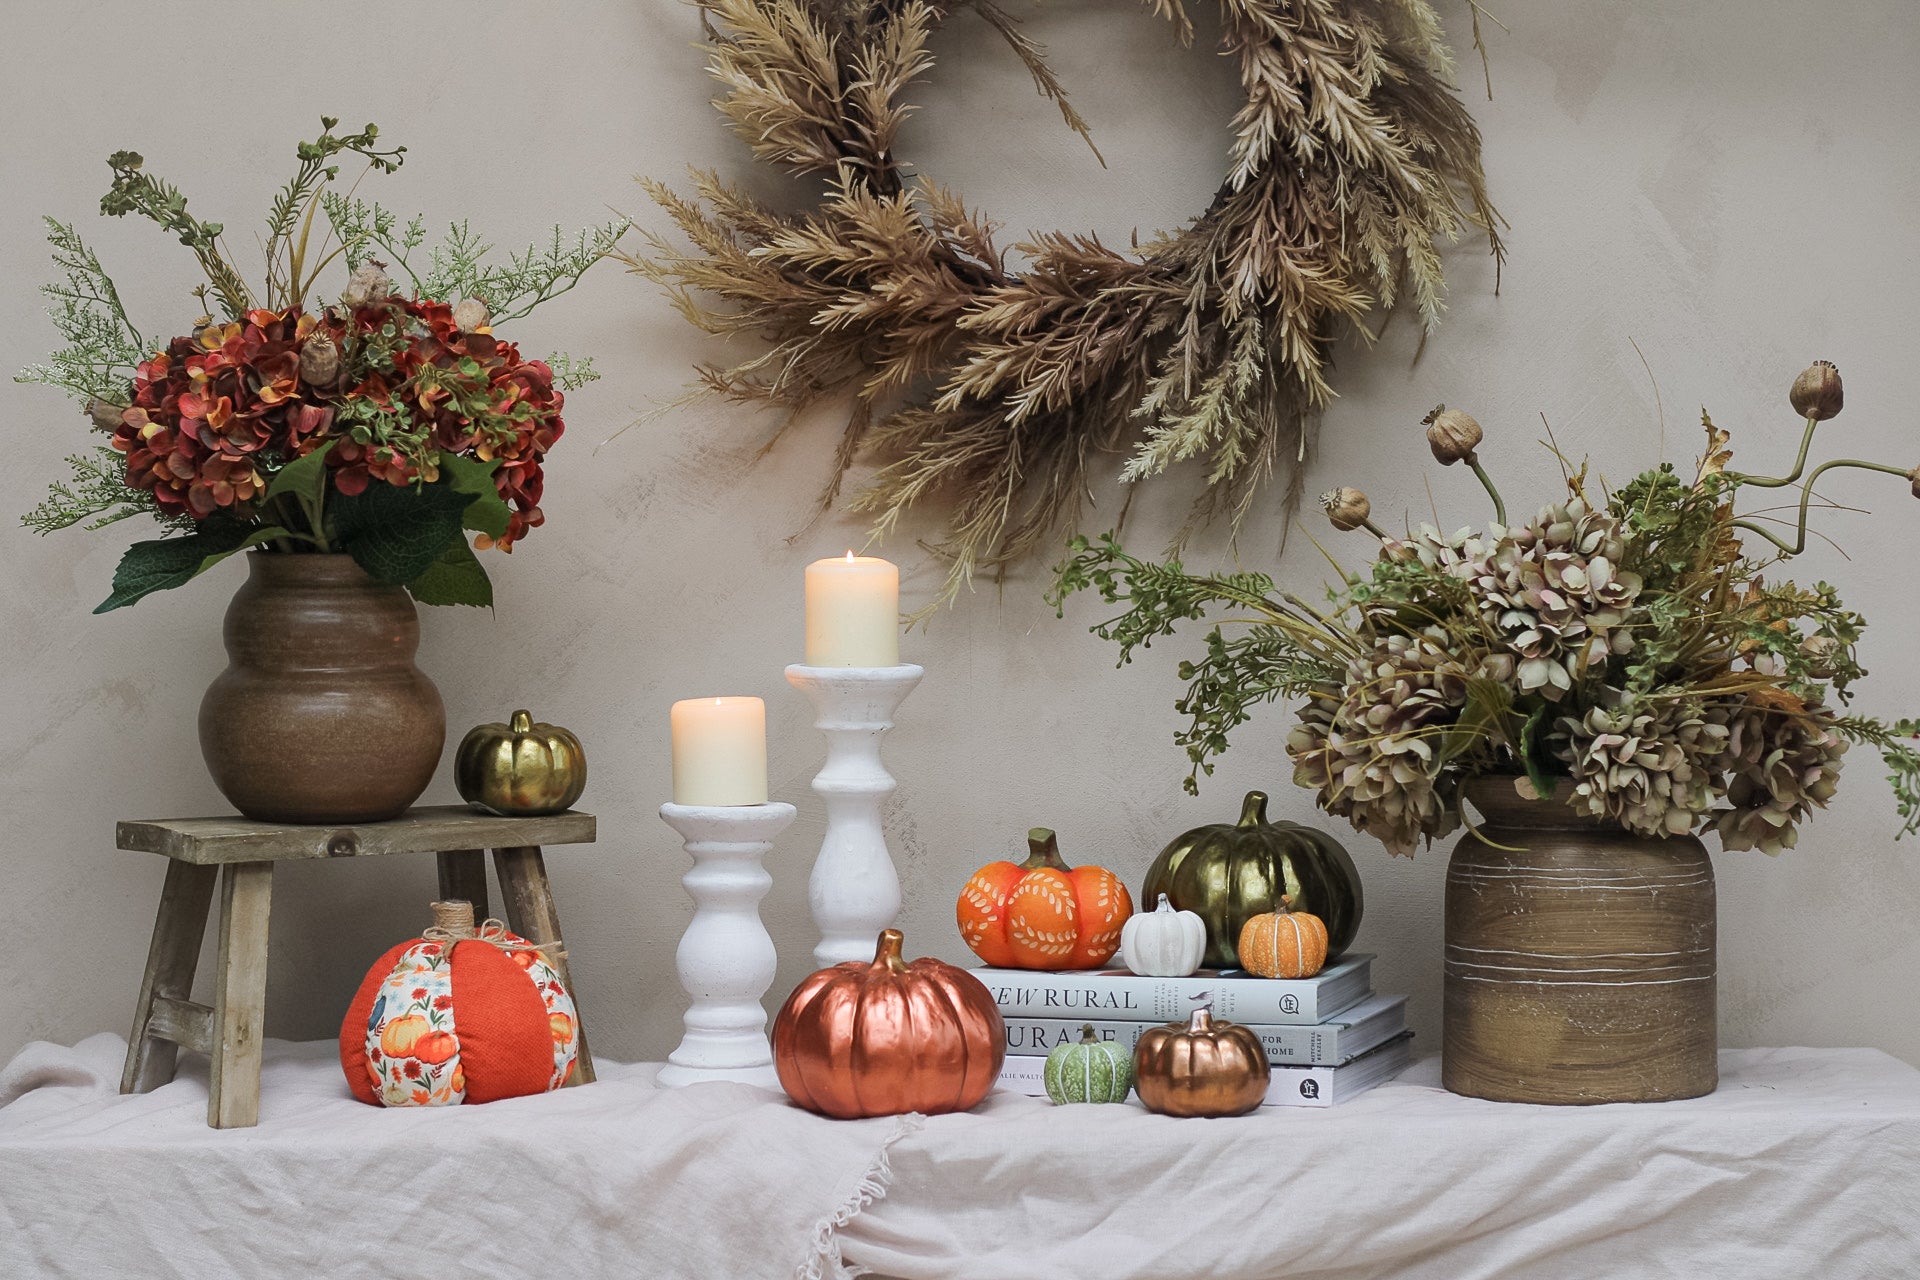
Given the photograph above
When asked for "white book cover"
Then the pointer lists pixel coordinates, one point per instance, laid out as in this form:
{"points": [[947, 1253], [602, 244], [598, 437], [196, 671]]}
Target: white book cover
{"points": [[1115, 995], [1345, 1036], [1290, 1086]]}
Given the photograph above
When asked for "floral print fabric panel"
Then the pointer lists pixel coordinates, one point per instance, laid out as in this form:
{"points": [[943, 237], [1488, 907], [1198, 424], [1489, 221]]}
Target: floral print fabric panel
{"points": [[413, 1049], [562, 1020]]}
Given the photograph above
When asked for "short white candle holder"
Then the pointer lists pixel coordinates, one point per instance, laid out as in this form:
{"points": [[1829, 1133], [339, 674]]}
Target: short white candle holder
{"points": [[726, 958], [854, 890]]}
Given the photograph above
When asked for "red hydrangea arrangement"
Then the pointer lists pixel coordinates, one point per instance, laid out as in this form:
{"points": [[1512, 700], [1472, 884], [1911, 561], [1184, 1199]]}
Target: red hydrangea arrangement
{"points": [[388, 425]]}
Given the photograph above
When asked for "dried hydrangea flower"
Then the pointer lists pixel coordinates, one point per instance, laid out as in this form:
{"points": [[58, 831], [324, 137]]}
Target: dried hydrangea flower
{"points": [[1649, 764], [1781, 763], [1370, 746]]}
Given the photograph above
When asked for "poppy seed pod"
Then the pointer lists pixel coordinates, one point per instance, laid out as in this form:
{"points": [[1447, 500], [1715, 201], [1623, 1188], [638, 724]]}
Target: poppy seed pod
{"points": [[369, 283], [470, 315], [319, 361], [1346, 508], [1820, 652], [1816, 393], [105, 415], [1452, 435]]}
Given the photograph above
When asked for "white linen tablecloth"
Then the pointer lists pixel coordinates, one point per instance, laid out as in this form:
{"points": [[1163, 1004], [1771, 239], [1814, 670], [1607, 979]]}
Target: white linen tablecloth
{"points": [[1806, 1162]]}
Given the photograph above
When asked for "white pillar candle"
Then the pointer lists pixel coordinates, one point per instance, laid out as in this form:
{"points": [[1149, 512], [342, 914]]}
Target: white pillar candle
{"points": [[853, 612], [719, 751]]}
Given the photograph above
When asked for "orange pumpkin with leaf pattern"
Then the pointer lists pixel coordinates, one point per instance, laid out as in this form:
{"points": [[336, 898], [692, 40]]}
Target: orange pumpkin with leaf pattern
{"points": [[1041, 913]]}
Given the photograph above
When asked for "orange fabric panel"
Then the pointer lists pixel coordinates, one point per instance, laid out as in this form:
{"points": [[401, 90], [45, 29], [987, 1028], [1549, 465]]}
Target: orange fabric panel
{"points": [[360, 1016], [506, 1045]]}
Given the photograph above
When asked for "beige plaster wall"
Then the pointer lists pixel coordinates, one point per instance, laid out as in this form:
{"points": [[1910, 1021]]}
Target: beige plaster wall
{"points": [[1730, 184]]}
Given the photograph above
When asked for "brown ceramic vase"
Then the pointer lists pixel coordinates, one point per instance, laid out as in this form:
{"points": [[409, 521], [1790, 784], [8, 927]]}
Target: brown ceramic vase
{"points": [[321, 715], [1579, 958]]}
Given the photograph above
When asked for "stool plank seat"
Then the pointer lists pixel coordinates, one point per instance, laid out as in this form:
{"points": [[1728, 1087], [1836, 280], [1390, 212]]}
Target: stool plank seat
{"points": [[237, 856]]}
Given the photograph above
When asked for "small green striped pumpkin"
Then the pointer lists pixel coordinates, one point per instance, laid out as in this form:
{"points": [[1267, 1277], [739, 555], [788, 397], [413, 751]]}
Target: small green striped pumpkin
{"points": [[1094, 1070]]}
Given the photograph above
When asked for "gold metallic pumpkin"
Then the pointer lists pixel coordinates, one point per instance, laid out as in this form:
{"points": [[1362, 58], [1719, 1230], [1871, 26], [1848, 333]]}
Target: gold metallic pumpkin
{"points": [[1230, 872], [1204, 1068], [520, 769]]}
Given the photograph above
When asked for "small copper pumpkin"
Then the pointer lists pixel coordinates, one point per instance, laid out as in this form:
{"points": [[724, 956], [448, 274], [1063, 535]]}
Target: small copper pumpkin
{"points": [[1204, 1068], [520, 769], [887, 1037]]}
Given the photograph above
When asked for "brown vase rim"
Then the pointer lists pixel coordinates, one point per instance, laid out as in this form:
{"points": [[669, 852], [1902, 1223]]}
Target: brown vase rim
{"points": [[335, 568], [1501, 805]]}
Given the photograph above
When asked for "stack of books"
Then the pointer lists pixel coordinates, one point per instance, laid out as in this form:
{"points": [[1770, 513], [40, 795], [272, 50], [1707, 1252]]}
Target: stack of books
{"points": [[1329, 1037]]}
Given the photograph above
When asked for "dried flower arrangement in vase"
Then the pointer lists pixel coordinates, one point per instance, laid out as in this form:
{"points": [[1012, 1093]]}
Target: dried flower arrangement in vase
{"points": [[1602, 681], [352, 446]]}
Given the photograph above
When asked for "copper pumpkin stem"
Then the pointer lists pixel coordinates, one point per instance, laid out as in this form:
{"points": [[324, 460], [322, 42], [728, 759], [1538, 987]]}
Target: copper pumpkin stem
{"points": [[1043, 850], [1201, 1022], [887, 951], [1253, 810]]}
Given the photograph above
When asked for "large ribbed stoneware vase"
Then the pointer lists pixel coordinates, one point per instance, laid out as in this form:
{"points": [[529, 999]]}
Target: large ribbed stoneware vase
{"points": [[1579, 958], [321, 715]]}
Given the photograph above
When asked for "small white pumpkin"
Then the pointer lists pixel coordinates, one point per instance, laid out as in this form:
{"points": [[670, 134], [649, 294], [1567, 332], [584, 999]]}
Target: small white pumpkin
{"points": [[1163, 943]]}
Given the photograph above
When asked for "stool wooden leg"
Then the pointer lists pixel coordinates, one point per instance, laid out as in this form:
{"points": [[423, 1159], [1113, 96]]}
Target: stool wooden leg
{"points": [[463, 876], [530, 913], [240, 1007], [171, 959]]}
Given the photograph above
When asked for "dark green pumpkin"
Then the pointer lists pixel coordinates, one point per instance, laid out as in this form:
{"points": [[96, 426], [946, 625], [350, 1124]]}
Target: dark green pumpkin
{"points": [[1228, 872]]}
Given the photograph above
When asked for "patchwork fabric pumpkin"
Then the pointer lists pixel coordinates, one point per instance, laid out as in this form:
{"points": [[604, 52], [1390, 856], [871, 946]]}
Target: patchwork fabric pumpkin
{"points": [[1091, 1070], [459, 1014], [1283, 944], [1041, 913]]}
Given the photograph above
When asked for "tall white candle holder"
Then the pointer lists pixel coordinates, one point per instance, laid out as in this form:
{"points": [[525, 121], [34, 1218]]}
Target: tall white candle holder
{"points": [[726, 958], [854, 889]]}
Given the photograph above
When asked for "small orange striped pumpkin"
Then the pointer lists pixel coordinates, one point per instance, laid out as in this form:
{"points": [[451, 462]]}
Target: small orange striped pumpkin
{"points": [[1283, 944], [1041, 913]]}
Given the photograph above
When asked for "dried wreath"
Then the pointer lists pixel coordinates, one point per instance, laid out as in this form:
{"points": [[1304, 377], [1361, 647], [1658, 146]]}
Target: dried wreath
{"points": [[995, 389]]}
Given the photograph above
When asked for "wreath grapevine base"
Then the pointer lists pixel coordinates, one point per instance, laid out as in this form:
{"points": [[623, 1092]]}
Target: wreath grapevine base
{"points": [[995, 391]]}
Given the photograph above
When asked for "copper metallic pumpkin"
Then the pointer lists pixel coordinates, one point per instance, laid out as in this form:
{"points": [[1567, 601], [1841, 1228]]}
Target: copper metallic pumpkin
{"points": [[1229, 872], [1041, 913], [1201, 1068], [888, 1037], [521, 769]]}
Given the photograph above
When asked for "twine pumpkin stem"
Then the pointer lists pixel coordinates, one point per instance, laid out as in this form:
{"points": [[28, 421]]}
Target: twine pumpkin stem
{"points": [[454, 918]]}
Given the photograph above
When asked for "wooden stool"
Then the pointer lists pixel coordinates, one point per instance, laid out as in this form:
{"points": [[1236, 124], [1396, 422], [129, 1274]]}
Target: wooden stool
{"points": [[229, 1032]]}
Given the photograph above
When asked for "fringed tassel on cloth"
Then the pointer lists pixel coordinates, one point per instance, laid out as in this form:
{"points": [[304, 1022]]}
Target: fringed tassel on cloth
{"points": [[823, 1261]]}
